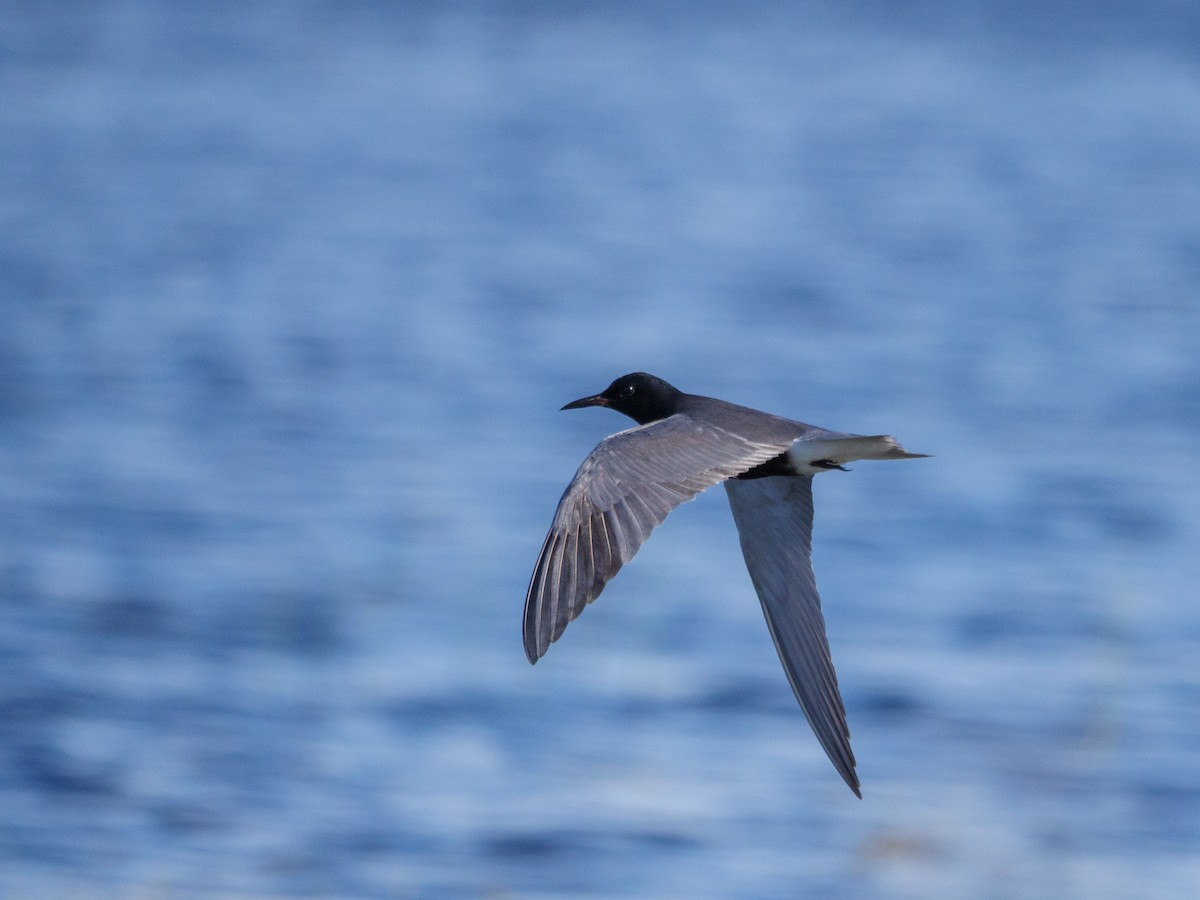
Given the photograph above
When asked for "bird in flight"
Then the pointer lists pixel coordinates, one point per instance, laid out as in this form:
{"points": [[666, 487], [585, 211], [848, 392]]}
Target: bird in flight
{"points": [[681, 445]]}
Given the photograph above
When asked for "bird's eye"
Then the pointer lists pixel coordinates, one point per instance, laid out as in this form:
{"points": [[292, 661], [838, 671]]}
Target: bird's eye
{"points": [[627, 391]]}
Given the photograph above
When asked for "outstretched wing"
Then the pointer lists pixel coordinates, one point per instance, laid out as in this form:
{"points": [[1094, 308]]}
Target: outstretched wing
{"points": [[774, 517], [622, 492]]}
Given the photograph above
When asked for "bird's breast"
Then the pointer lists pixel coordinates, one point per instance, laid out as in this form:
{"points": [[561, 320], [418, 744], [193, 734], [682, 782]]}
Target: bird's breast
{"points": [[776, 465]]}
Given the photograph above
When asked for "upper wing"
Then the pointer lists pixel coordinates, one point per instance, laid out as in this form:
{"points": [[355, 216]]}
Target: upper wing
{"points": [[622, 492], [774, 519]]}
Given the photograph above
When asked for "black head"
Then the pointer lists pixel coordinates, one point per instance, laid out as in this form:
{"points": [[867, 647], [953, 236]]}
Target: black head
{"points": [[642, 397]]}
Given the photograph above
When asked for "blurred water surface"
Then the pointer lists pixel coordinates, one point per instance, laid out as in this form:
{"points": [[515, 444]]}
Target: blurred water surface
{"points": [[291, 294]]}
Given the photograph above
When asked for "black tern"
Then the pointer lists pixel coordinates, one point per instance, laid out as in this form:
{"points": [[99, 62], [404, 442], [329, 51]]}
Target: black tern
{"points": [[682, 445]]}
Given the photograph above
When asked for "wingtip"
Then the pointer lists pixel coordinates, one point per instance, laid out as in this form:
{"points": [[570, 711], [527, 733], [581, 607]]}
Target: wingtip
{"points": [[850, 776], [532, 654]]}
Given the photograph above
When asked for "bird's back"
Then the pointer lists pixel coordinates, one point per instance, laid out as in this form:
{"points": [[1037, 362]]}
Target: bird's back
{"points": [[751, 424]]}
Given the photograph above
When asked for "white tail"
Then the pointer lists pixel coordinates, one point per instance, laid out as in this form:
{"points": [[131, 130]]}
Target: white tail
{"points": [[840, 450]]}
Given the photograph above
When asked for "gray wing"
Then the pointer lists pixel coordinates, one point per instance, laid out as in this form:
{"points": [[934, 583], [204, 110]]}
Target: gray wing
{"points": [[774, 519], [622, 492]]}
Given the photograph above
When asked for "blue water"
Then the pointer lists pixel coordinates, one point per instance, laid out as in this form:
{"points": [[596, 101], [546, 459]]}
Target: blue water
{"points": [[291, 294]]}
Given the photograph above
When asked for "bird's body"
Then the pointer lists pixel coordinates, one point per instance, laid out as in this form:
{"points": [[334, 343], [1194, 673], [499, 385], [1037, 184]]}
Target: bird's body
{"points": [[683, 444]]}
